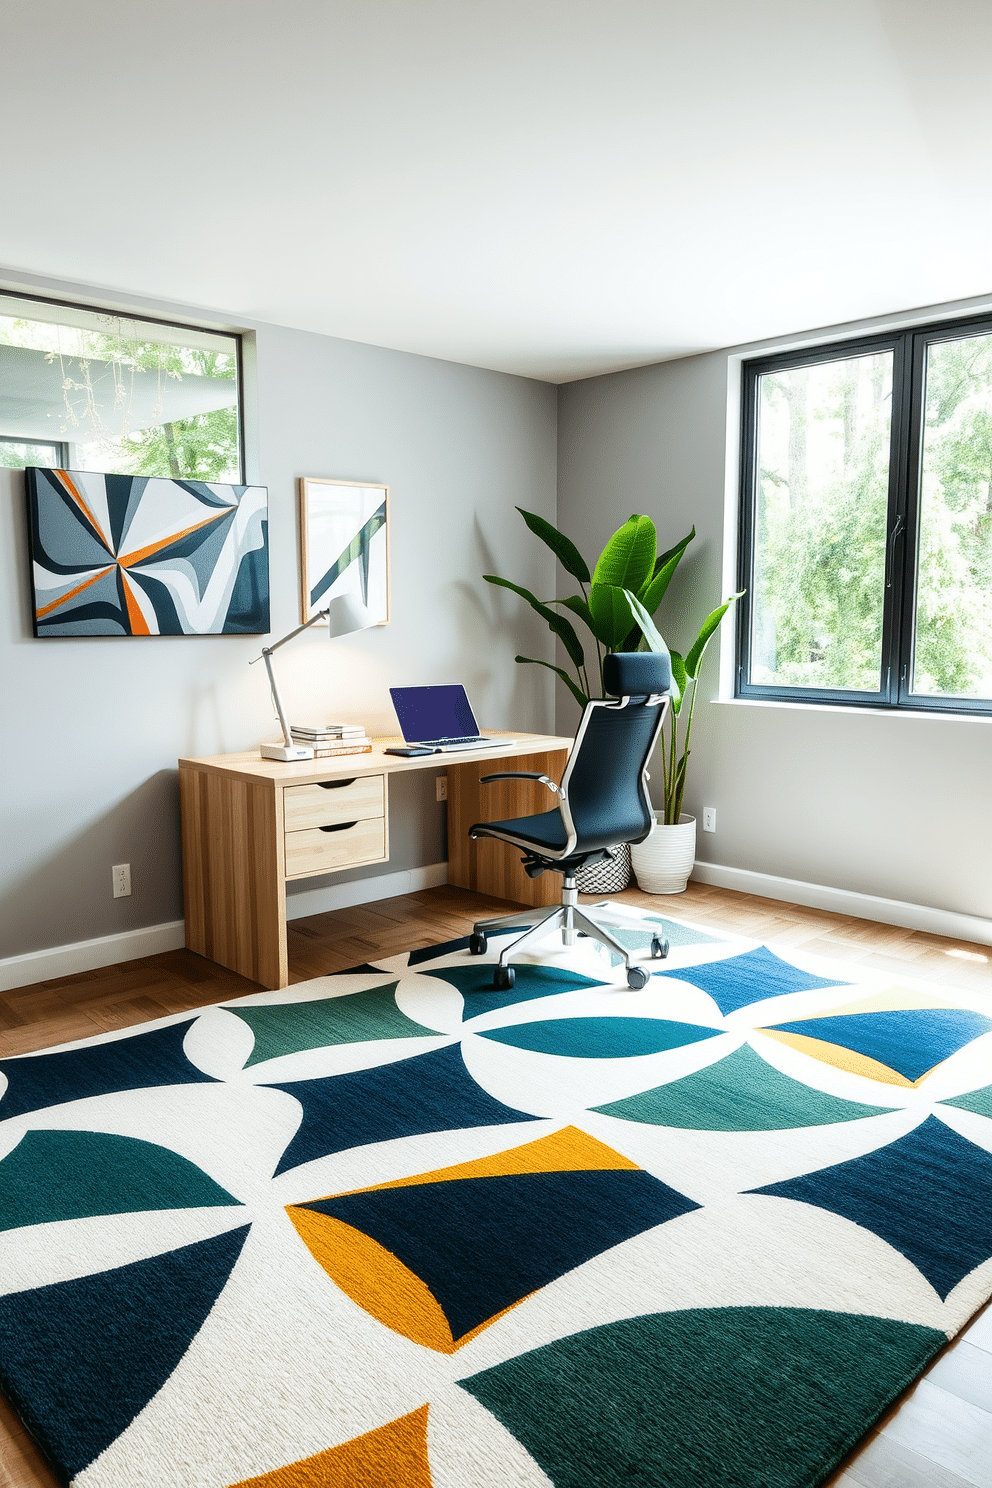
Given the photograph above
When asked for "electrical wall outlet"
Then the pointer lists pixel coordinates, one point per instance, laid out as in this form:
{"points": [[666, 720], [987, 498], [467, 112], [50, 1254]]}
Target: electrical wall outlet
{"points": [[441, 786], [122, 880], [709, 818]]}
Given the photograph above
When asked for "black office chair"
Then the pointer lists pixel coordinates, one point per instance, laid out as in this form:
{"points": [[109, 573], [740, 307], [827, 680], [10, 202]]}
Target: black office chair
{"points": [[602, 801]]}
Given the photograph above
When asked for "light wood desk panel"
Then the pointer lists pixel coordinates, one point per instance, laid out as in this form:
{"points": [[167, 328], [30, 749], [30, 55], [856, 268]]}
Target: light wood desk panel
{"points": [[249, 824], [487, 866]]}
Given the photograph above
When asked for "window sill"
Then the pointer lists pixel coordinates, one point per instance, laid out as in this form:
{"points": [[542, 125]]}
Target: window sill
{"points": [[848, 710]]}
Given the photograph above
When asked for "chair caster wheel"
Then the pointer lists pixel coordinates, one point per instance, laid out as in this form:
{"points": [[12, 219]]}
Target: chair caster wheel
{"points": [[477, 943], [504, 978], [659, 948], [637, 977]]}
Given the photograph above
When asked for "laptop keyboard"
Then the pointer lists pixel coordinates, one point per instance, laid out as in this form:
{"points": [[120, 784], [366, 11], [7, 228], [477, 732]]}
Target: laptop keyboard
{"points": [[454, 739]]}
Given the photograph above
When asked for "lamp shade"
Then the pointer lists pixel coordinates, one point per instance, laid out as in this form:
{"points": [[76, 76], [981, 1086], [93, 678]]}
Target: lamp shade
{"points": [[345, 614]]}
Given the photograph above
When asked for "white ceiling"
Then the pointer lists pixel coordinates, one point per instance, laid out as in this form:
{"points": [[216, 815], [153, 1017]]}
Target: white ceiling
{"points": [[550, 187]]}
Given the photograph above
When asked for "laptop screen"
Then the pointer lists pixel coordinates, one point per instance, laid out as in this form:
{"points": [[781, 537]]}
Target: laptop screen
{"points": [[440, 712]]}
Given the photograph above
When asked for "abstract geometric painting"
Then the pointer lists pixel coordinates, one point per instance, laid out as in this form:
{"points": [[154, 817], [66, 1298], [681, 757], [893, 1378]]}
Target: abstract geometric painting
{"points": [[123, 555], [344, 540], [390, 1227]]}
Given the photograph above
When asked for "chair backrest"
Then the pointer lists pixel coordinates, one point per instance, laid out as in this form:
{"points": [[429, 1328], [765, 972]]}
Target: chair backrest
{"points": [[605, 787]]}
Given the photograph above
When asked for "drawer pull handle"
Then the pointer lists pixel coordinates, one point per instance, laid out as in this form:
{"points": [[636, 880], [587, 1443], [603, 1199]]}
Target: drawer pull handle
{"points": [[338, 827], [335, 784]]}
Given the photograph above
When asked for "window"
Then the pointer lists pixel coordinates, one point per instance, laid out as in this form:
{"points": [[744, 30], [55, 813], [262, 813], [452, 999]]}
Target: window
{"points": [[16, 453], [86, 389], [866, 522]]}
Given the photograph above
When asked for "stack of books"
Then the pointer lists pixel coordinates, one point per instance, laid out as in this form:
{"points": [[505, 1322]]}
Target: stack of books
{"points": [[332, 738]]}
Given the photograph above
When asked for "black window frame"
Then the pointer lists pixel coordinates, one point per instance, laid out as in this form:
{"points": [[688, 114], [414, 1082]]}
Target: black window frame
{"points": [[7, 292], [909, 347]]}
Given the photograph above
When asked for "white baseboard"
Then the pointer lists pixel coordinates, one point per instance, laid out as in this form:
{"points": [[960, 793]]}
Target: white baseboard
{"points": [[365, 890], [131, 945], [846, 901], [88, 955]]}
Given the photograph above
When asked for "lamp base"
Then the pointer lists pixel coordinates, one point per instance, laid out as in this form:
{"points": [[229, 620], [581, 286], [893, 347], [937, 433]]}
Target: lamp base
{"points": [[286, 752]]}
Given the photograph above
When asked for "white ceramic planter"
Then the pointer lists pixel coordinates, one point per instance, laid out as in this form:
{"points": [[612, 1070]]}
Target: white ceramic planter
{"points": [[663, 861]]}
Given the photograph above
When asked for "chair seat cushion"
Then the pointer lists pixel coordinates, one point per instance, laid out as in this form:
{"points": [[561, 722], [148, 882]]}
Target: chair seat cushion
{"points": [[544, 830]]}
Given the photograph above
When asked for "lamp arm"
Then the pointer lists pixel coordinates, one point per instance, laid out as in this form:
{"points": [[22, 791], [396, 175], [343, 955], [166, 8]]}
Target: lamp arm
{"points": [[320, 615], [267, 658]]}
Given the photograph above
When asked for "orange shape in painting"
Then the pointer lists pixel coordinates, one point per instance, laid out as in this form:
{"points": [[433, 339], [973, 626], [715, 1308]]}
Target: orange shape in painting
{"points": [[392, 1456]]}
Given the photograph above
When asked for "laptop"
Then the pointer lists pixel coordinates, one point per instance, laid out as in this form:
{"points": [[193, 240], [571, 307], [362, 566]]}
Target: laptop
{"points": [[439, 717]]}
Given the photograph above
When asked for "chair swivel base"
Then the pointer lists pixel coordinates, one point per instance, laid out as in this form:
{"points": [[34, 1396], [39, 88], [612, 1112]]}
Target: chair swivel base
{"points": [[573, 922]]}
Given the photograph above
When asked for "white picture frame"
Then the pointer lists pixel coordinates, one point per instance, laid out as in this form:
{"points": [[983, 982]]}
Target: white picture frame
{"points": [[344, 544]]}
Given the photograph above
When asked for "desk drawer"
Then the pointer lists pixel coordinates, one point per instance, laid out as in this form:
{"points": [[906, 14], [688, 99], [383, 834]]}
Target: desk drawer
{"points": [[341, 846], [337, 801]]}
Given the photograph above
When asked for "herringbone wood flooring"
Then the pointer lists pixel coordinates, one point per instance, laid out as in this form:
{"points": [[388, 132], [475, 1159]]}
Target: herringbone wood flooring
{"points": [[940, 1435]]}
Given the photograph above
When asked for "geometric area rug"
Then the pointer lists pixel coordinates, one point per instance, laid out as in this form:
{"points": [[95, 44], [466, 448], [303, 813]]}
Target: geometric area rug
{"points": [[393, 1227]]}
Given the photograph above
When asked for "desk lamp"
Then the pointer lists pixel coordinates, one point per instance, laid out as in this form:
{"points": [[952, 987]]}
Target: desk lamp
{"points": [[343, 615]]}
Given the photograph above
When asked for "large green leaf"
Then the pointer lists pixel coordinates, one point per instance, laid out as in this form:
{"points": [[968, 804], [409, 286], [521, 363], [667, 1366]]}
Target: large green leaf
{"points": [[580, 607], [695, 655], [576, 692], [654, 590], [628, 558], [611, 614], [679, 680], [675, 552], [563, 548], [651, 637], [561, 627]]}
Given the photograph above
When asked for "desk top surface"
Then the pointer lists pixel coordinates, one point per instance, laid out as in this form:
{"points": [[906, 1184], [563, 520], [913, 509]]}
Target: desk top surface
{"points": [[250, 764]]}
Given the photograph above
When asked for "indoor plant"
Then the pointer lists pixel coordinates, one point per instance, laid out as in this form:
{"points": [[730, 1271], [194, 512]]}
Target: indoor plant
{"points": [[617, 603]]}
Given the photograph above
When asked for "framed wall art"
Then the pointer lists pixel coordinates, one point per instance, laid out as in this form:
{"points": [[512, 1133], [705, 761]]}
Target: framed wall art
{"points": [[344, 542], [130, 555]]}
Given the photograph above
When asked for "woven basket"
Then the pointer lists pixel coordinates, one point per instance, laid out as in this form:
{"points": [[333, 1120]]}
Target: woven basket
{"points": [[608, 877]]}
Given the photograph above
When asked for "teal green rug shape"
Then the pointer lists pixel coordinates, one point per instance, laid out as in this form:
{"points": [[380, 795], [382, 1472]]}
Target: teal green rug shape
{"points": [[979, 1101], [474, 980], [670, 930], [740, 1093], [601, 1038], [357, 1017], [53, 1175], [718, 1397]]}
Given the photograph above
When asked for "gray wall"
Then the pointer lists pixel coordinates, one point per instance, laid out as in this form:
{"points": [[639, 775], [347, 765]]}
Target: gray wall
{"points": [[93, 728], [887, 804]]}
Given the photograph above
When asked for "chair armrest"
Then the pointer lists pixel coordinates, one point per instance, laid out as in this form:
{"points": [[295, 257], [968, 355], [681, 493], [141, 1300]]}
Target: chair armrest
{"points": [[519, 775]]}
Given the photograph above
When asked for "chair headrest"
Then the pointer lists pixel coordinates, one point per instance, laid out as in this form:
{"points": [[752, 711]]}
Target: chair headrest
{"points": [[637, 673]]}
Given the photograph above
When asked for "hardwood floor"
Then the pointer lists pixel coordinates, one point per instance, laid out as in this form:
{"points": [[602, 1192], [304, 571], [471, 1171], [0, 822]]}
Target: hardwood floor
{"points": [[938, 1436]]}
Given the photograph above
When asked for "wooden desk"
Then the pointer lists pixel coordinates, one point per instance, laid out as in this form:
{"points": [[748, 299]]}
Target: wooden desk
{"points": [[251, 825]]}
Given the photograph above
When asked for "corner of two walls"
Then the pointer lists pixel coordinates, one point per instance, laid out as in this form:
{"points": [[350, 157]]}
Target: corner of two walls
{"points": [[896, 806]]}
